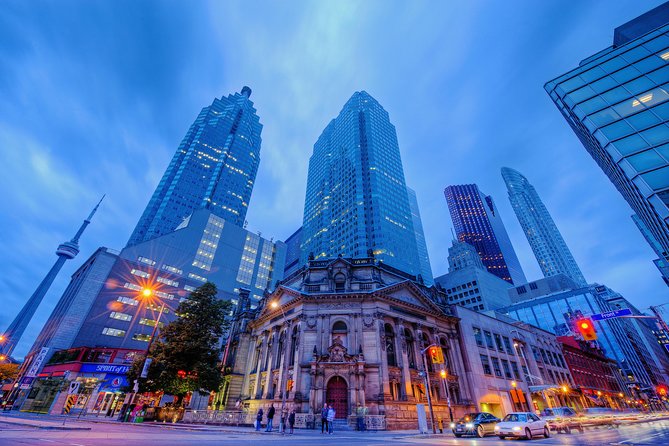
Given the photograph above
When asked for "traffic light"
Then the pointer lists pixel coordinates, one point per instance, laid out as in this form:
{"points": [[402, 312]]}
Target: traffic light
{"points": [[586, 328], [436, 355]]}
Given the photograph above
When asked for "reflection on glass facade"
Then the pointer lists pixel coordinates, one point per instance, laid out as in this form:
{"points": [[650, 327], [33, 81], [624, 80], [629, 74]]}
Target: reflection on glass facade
{"points": [[477, 221], [616, 103], [547, 243], [421, 245], [551, 314], [356, 197], [214, 167]]}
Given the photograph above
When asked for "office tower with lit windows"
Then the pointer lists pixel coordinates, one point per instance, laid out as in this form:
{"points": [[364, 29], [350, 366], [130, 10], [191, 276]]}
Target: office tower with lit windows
{"points": [[357, 201], [617, 103], [477, 221], [214, 167], [547, 243]]}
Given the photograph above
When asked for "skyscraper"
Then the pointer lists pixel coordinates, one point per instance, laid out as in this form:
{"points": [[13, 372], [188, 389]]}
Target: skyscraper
{"points": [[214, 167], [616, 102], [477, 222], [66, 251], [356, 196], [543, 235], [421, 245]]}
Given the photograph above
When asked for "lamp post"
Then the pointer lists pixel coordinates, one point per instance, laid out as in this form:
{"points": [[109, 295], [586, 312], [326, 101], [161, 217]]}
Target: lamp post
{"points": [[530, 377], [284, 373], [444, 375], [428, 387]]}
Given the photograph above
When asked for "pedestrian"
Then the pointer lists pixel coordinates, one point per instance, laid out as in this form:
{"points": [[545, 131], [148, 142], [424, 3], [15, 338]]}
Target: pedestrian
{"points": [[270, 417], [324, 419], [259, 419], [331, 416], [283, 419], [360, 412], [291, 420]]}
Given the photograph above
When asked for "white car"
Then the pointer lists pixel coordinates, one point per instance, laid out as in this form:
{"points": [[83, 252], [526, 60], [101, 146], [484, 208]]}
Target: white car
{"points": [[521, 424]]}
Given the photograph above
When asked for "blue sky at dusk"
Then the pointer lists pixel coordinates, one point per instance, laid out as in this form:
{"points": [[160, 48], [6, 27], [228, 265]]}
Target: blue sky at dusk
{"points": [[96, 97]]}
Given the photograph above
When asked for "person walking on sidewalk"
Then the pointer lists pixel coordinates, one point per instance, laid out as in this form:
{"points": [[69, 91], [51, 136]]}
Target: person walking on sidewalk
{"points": [[331, 417], [360, 412], [283, 420], [324, 419], [259, 419], [291, 420], [270, 417]]}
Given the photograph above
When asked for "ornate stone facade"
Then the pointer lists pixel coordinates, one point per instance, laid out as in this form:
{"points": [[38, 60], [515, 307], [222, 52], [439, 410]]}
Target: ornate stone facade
{"points": [[343, 332]]}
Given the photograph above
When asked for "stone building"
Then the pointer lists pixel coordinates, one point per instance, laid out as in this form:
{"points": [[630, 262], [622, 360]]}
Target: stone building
{"points": [[343, 332]]}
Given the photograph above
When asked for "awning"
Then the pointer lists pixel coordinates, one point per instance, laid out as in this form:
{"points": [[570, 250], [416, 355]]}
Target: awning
{"points": [[543, 387]]}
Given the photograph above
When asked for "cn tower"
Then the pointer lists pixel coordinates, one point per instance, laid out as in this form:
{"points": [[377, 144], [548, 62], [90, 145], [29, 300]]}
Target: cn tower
{"points": [[65, 251]]}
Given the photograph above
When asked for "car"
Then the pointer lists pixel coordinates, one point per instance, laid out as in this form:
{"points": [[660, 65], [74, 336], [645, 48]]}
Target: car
{"points": [[562, 419], [475, 423], [521, 424]]}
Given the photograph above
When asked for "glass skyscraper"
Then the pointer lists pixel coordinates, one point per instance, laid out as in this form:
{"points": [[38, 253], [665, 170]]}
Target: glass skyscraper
{"points": [[356, 197], [543, 235], [421, 245], [477, 222], [214, 167], [617, 103]]}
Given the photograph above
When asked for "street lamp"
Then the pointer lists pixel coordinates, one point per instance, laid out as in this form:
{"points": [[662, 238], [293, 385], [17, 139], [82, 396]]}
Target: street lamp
{"points": [[275, 304], [426, 376], [444, 375]]}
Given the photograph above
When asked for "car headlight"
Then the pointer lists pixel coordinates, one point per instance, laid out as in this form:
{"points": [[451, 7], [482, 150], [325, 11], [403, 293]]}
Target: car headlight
{"points": [[469, 425], [496, 428], [452, 425], [516, 428]]}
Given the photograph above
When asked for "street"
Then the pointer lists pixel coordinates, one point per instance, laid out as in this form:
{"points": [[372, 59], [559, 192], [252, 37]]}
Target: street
{"points": [[88, 433]]}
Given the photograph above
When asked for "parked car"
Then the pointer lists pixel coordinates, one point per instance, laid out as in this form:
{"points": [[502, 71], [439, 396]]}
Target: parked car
{"points": [[562, 419], [521, 424], [476, 423]]}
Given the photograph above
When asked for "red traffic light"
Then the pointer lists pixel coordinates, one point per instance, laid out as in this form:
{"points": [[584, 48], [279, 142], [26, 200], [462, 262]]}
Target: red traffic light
{"points": [[586, 328]]}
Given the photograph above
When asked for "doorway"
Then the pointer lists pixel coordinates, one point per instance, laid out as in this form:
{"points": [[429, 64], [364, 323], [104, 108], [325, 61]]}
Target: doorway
{"points": [[337, 396]]}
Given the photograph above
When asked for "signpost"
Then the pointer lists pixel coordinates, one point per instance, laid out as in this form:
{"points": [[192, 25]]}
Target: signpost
{"points": [[611, 314]]}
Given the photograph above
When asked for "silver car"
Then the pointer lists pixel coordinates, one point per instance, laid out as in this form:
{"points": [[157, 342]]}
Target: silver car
{"points": [[521, 424]]}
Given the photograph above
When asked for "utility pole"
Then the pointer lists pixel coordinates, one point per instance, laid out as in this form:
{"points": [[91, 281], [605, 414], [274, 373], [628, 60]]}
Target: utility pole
{"points": [[427, 386]]}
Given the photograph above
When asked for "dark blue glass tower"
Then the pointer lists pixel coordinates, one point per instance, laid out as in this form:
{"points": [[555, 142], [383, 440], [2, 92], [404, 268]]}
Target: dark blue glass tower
{"points": [[477, 222], [214, 167]]}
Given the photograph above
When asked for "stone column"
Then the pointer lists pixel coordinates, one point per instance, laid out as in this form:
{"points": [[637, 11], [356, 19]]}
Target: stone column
{"points": [[383, 360], [406, 391], [261, 359], [272, 352]]}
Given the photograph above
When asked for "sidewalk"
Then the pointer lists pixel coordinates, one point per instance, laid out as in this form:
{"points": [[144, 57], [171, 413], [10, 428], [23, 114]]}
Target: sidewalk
{"points": [[40, 424]]}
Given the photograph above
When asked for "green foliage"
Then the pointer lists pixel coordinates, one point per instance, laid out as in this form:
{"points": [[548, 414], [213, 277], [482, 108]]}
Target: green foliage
{"points": [[8, 371], [186, 354]]}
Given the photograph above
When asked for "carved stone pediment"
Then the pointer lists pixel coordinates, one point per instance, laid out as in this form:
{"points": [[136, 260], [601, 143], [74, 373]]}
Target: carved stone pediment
{"points": [[337, 353]]}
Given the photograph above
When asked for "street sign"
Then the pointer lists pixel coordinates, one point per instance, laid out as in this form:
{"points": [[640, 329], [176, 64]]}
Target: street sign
{"points": [[74, 388], [611, 314]]}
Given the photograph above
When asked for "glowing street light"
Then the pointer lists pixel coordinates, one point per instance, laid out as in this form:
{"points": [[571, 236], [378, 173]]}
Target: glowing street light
{"points": [[147, 292]]}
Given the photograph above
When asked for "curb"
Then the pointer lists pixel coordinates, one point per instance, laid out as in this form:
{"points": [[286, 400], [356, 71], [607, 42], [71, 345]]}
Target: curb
{"points": [[58, 428]]}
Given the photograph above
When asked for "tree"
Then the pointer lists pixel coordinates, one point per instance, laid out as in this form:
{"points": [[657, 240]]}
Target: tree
{"points": [[186, 354], [8, 372]]}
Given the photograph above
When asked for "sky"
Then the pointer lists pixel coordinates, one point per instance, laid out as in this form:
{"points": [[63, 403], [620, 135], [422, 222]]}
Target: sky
{"points": [[96, 96]]}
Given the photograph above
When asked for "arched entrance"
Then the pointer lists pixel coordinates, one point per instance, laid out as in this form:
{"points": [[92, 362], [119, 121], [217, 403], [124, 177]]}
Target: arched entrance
{"points": [[337, 396]]}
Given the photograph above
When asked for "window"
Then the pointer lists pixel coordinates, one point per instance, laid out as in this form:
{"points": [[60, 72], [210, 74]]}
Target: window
{"points": [[390, 346], [150, 322], [132, 286], [127, 301], [478, 336], [167, 281], [507, 370], [495, 365], [340, 330], [172, 269], [189, 288], [141, 337], [498, 342], [147, 261], [488, 339], [196, 277], [485, 362], [411, 352], [521, 289], [120, 316], [516, 373], [533, 286], [140, 273], [165, 295], [113, 332], [507, 345]]}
